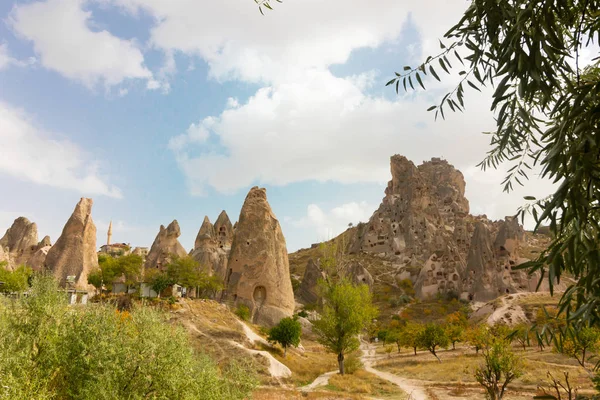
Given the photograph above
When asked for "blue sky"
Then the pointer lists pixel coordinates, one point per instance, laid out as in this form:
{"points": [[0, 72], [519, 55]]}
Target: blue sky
{"points": [[163, 110]]}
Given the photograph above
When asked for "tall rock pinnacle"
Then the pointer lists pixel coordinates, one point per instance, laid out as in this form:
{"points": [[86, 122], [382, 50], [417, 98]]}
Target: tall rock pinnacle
{"points": [[258, 269]]}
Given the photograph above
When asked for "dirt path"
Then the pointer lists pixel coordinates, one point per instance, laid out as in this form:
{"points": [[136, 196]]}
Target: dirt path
{"points": [[321, 380], [411, 387]]}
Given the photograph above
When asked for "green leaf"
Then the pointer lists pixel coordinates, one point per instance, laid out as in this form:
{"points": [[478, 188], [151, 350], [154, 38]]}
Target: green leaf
{"points": [[420, 81], [529, 198], [444, 66], [390, 82], [473, 86], [431, 108], [407, 68], [433, 73]]}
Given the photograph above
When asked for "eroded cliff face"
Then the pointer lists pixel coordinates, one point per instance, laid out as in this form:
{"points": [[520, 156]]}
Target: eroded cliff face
{"points": [[258, 269], [424, 227], [74, 253], [164, 247], [209, 251], [20, 243]]}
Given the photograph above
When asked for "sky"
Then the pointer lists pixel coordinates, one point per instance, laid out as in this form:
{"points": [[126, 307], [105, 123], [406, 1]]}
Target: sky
{"points": [[162, 110]]}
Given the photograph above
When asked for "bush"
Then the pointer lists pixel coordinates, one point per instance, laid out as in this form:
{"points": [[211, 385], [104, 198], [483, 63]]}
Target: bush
{"points": [[353, 363], [303, 314], [243, 312], [50, 350]]}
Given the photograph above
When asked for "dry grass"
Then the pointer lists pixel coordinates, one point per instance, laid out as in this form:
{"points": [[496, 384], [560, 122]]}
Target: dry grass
{"points": [[365, 383], [284, 394], [459, 366], [306, 366]]}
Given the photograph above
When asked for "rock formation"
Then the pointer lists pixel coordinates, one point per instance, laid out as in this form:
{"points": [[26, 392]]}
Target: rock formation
{"points": [[224, 231], [308, 287], [359, 275], [74, 253], [20, 241], [207, 250], [165, 245], [258, 274], [423, 227]]}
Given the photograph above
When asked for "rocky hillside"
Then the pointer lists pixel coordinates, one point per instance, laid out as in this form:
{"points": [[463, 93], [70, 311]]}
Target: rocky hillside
{"points": [[423, 233]]}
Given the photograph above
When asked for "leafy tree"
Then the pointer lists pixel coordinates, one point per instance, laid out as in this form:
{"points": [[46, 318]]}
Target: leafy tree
{"points": [[522, 333], [547, 114], [501, 366], [111, 268], [409, 336], [455, 333], [433, 337], [286, 333], [49, 350], [479, 337], [15, 281], [209, 285], [158, 280], [579, 343], [184, 271], [347, 310]]}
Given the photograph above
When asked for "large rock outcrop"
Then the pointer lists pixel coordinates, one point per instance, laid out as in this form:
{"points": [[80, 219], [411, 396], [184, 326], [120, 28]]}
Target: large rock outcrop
{"points": [[258, 274], [424, 229], [224, 231], [308, 290], [359, 275], [20, 241], [74, 253], [211, 255], [164, 247]]}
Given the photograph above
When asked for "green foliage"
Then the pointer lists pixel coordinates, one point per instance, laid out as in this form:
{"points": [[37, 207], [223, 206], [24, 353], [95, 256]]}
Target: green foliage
{"points": [[243, 312], [347, 310], [111, 268], [184, 271], [286, 333], [578, 343], [15, 281], [432, 337], [455, 333], [410, 334], [547, 108], [501, 366], [49, 350], [479, 337], [158, 280], [303, 314], [407, 286], [352, 363], [523, 334], [295, 284]]}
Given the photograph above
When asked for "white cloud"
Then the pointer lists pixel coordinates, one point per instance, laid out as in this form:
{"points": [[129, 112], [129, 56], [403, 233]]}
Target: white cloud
{"points": [[32, 155], [330, 224], [239, 43], [64, 42], [6, 60]]}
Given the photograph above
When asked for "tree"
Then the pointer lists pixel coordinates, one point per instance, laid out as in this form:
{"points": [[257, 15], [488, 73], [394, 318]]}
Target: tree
{"points": [[578, 343], [184, 271], [158, 281], [15, 281], [455, 333], [409, 336], [286, 333], [522, 333], [433, 337], [347, 310], [547, 115], [501, 366], [479, 337]]}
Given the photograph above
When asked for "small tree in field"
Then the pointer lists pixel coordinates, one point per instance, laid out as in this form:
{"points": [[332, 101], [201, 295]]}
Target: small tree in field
{"points": [[15, 281], [523, 334], [286, 333], [158, 281], [347, 310], [455, 333], [433, 337], [501, 366], [409, 336], [479, 337], [579, 343]]}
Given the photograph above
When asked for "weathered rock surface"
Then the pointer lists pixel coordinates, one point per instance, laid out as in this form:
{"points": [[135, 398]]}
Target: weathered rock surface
{"points": [[74, 253], [224, 231], [208, 252], [359, 275], [308, 290], [4, 258], [38, 259], [258, 274], [20, 241], [424, 227], [164, 247]]}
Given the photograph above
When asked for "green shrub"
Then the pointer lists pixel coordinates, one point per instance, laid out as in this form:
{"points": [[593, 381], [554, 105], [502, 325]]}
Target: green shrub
{"points": [[243, 312], [50, 350], [303, 314], [353, 363]]}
